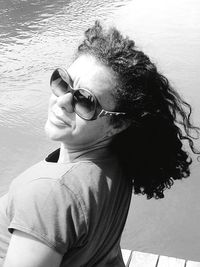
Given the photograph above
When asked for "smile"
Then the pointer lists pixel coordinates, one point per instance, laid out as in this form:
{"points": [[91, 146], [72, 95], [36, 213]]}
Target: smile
{"points": [[57, 120]]}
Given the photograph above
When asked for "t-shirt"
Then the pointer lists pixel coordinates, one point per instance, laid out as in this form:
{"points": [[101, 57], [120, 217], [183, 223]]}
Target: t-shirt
{"points": [[79, 209]]}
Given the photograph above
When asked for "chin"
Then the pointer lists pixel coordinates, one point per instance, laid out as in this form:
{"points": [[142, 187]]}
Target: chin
{"points": [[53, 132]]}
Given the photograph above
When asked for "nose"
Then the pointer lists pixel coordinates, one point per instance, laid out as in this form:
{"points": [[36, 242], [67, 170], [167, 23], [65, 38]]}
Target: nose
{"points": [[65, 102]]}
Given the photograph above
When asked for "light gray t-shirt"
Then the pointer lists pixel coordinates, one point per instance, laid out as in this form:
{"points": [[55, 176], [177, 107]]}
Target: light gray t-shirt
{"points": [[79, 209]]}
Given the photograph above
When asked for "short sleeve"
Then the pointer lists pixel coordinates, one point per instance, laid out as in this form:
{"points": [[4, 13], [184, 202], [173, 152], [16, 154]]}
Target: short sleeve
{"points": [[49, 211]]}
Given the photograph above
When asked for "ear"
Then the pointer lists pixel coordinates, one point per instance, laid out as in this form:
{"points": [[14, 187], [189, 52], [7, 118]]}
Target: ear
{"points": [[116, 129]]}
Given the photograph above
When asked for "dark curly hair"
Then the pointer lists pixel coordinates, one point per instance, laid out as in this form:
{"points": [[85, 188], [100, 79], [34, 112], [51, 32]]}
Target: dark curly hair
{"points": [[151, 148]]}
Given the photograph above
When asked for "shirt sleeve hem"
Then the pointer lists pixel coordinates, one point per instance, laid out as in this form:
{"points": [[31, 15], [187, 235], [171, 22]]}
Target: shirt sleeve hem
{"points": [[57, 246]]}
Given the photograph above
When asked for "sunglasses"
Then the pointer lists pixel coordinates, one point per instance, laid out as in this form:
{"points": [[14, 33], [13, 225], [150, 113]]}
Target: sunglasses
{"points": [[84, 102]]}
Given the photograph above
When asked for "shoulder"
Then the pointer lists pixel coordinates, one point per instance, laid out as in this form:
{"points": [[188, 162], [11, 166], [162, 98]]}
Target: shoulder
{"points": [[41, 188], [42, 171], [85, 175], [43, 182], [93, 183], [46, 209]]}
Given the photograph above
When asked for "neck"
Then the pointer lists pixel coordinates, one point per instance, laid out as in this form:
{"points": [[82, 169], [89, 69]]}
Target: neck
{"points": [[68, 154]]}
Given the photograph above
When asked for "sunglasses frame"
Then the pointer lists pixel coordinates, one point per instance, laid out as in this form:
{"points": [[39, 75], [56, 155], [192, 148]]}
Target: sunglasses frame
{"points": [[72, 90]]}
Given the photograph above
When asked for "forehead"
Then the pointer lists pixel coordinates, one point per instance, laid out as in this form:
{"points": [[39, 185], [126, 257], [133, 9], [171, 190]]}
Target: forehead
{"points": [[87, 72]]}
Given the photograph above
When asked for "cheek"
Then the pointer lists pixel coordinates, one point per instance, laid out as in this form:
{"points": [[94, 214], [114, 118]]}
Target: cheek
{"points": [[52, 100], [87, 129], [96, 129], [51, 103]]}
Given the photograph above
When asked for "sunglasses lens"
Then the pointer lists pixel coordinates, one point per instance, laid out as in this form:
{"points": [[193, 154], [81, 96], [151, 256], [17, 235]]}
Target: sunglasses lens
{"points": [[58, 82], [84, 104]]}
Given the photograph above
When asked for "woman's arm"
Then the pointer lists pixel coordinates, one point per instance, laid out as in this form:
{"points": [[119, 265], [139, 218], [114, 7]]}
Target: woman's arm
{"points": [[26, 251]]}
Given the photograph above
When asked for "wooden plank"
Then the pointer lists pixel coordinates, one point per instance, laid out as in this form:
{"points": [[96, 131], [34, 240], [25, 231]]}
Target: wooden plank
{"points": [[170, 262], [126, 254], [192, 264], [141, 259]]}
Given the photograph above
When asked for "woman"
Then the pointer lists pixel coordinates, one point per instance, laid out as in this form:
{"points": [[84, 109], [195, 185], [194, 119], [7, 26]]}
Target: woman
{"points": [[120, 127]]}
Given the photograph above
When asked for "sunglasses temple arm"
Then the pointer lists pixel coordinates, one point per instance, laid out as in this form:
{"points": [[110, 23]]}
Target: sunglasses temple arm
{"points": [[109, 113]]}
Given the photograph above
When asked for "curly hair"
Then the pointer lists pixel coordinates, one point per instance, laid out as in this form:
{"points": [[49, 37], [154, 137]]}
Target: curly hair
{"points": [[151, 148]]}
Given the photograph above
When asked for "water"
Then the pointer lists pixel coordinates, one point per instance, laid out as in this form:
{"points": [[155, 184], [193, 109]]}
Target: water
{"points": [[37, 36]]}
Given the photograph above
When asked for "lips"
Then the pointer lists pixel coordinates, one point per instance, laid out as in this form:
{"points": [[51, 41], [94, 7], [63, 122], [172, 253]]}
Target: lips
{"points": [[58, 120]]}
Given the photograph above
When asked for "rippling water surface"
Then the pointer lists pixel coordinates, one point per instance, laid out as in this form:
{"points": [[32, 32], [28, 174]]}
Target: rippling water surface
{"points": [[39, 35]]}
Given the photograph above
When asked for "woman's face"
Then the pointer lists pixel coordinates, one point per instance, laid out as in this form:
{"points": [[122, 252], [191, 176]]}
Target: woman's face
{"points": [[64, 125]]}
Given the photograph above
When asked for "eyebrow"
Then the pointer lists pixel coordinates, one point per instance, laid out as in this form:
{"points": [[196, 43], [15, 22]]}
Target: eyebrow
{"points": [[80, 87], [72, 83]]}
